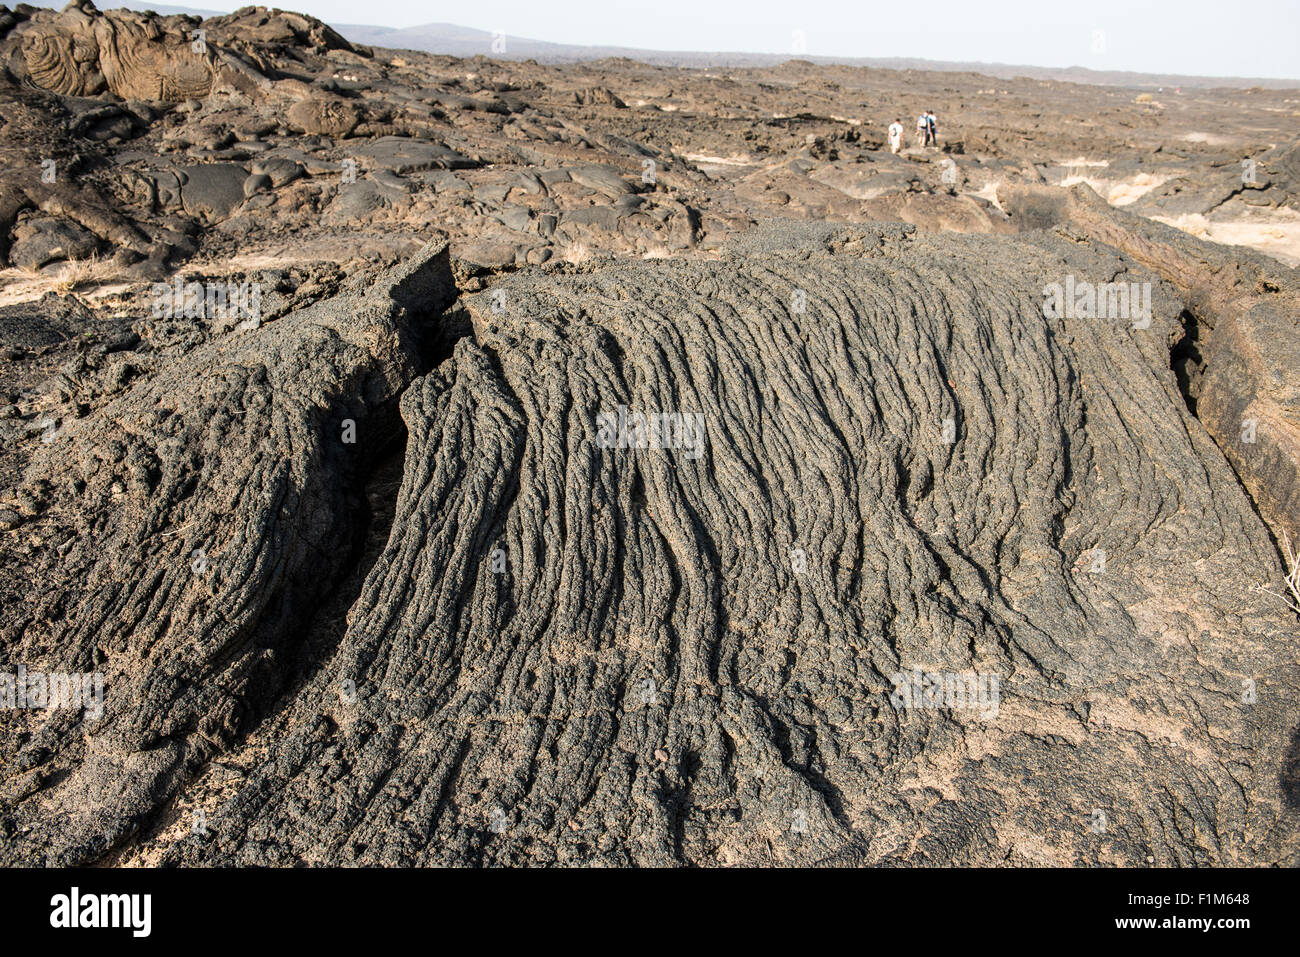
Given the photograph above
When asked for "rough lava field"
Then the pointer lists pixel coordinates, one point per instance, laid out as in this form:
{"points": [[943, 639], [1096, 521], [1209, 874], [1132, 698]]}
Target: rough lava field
{"points": [[461, 461]]}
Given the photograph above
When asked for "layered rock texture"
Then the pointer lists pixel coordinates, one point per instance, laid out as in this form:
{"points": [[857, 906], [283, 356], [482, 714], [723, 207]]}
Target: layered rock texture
{"points": [[224, 484], [535, 493], [578, 647]]}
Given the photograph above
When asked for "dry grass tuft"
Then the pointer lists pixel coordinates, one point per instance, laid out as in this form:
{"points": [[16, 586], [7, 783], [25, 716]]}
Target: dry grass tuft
{"points": [[576, 253], [82, 272], [1291, 597]]}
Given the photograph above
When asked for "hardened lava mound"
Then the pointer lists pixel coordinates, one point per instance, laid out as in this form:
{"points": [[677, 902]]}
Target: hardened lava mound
{"points": [[856, 470]]}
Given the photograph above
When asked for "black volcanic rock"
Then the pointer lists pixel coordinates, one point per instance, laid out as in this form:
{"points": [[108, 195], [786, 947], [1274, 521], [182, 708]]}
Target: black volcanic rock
{"points": [[396, 570], [227, 485], [578, 647]]}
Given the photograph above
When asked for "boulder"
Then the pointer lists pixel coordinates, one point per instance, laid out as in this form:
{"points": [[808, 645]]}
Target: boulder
{"points": [[43, 241], [324, 116]]}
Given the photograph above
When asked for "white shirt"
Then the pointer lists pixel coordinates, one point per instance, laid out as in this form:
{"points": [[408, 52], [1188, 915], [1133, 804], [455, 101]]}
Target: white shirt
{"points": [[895, 130]]}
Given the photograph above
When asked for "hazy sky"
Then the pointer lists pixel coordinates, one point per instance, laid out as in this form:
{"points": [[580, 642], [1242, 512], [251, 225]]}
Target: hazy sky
{"points": [[1206, 37]]}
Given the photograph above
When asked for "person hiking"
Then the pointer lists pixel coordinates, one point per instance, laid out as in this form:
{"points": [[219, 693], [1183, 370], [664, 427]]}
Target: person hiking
{"points": [[931, 129], [922, 131], [895, 135]]}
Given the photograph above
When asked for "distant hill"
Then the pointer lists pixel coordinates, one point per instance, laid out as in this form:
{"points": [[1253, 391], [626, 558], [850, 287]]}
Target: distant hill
{"points": [[454, 40], [461, 41], [160, 8]]}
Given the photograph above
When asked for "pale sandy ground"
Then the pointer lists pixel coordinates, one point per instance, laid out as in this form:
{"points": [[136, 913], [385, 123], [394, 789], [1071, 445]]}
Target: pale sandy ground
{"points": [[93, 281], [17, 286], [1120, 192], [1211, 139], [1275, 233]]}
